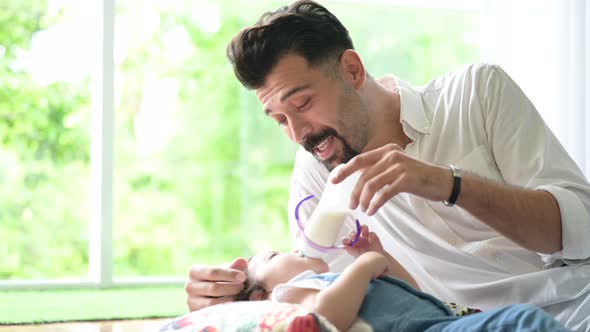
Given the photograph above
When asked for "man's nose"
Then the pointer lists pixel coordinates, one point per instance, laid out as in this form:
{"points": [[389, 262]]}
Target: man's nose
{"points": [[299, 130]]}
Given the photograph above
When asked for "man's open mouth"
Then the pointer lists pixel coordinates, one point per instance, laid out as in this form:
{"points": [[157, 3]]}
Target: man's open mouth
{"points": [[325, 148]]}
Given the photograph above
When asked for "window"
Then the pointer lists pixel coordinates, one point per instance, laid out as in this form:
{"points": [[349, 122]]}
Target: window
{"points": [[44, 138]]}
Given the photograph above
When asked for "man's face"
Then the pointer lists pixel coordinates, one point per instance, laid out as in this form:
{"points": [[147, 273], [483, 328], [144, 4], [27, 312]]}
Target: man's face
{"points": [[316, 109]]}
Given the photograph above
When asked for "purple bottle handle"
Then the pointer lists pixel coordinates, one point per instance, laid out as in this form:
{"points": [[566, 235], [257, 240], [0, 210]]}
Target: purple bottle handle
{"points": [[315, 245]]}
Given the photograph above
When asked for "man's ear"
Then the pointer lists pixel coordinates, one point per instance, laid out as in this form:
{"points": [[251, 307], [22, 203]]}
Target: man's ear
{"points": [[259, 295], [352, 68]]}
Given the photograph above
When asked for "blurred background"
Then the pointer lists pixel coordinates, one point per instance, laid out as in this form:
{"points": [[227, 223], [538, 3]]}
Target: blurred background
{"points": [[188, 169]]}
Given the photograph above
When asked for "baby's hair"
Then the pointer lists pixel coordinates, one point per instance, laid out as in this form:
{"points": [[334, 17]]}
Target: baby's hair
{"points": [[250, 286]]}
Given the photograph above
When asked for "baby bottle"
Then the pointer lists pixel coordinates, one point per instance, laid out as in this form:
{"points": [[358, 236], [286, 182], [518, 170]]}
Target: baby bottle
{"points": [[322, 229]]}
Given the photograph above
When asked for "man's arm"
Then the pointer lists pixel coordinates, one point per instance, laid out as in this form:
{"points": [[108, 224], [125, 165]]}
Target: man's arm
{"points": [[528, 217], [531, 218]]}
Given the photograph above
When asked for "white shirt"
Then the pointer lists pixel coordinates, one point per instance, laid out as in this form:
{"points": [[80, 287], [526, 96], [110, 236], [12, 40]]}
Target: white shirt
{"points": [[478, 119]]}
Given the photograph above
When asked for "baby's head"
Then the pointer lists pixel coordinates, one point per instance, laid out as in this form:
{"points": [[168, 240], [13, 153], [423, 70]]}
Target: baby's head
{"points": [[267, 270]]}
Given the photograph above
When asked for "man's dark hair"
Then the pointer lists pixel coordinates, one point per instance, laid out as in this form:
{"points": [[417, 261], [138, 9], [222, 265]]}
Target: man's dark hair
{"points": [[303, 28]]}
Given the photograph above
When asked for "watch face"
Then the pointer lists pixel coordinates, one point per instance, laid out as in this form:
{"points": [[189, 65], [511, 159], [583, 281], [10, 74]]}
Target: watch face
{"points": [[455, 170]]}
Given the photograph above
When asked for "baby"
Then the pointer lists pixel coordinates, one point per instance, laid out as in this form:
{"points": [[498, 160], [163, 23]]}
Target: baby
{"points": [[376, 288]]}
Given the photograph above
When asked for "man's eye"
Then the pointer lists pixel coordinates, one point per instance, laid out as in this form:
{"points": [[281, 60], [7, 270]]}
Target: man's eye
{"points": [[272, 255], [304, 104]]}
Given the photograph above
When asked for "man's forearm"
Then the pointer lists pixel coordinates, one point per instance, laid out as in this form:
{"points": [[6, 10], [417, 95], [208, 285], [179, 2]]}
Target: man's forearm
{"points": [[528, 217]]}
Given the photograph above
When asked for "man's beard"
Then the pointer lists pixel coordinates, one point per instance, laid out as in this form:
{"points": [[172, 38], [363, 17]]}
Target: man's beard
{"points": [[347, 151]]}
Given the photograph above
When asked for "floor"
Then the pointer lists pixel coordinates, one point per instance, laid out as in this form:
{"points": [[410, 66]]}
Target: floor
{"points": [[152, 325]]}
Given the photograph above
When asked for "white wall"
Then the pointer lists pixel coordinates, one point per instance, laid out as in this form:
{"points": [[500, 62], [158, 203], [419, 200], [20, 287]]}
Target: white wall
{"points": [[544, 45]]}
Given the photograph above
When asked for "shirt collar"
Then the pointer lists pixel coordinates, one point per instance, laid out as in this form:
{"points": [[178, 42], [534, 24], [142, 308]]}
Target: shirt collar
{"points": [[412, 114]]}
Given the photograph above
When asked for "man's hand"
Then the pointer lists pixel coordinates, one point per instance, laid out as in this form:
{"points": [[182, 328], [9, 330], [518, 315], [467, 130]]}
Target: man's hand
{"points": [[210, 285], [368, 241], [388, 171]]}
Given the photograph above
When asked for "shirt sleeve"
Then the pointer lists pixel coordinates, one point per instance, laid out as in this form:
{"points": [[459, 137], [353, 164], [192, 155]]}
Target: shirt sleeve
{"points": [[529, 155], [304, 280]]}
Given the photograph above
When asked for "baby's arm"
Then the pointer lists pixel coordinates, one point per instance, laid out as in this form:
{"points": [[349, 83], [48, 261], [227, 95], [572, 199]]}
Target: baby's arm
{"points": [[341, 301], [369, 241]]}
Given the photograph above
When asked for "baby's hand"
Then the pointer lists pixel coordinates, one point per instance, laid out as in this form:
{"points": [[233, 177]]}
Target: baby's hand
{"points": [[368, 241]]}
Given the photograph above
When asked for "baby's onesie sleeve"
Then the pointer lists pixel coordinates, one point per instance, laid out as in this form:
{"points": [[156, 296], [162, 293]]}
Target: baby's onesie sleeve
{"points": [[307, 279]]}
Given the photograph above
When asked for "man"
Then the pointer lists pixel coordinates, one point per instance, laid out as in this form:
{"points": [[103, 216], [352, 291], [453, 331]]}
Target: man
{"points": [[461, 179]]}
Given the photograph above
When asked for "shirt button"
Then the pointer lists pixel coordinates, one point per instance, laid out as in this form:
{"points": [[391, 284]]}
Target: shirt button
{"points": [[426, 128], [452, 242]]}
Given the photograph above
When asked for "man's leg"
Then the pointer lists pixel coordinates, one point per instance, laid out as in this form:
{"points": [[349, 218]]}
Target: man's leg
{"points": [[519, 317]]}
